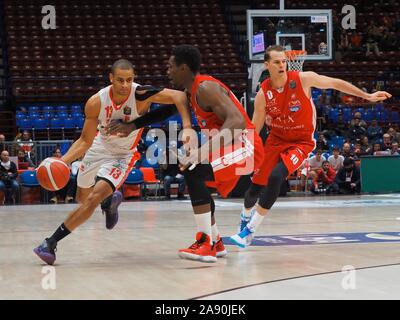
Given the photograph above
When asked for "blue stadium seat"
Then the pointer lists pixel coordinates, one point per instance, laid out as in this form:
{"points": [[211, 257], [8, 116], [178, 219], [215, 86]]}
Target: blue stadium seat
{"points": [[33, 109], [48, 109], [394, 117], [369, 115], [135, 177], [379, 107], [33, 114], [69, 123], [56, 123], [79, 122], [347, 114], [76, 108], [48, 115], [28, 179], [40, 123], [77, 115], [25, 124], [62, 115], [333, 115], [62, 108]]}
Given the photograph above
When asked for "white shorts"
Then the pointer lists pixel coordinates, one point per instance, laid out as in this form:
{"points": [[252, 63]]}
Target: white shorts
{"points": [[101, 163]]}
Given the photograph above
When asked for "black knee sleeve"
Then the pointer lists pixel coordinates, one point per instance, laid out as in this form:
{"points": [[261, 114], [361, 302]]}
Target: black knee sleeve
{"points": [[271, 192], [195, 181], [251, 195]]}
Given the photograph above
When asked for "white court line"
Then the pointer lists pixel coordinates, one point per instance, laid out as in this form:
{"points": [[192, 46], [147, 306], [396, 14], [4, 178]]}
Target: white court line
{"points": [[323, 203]]}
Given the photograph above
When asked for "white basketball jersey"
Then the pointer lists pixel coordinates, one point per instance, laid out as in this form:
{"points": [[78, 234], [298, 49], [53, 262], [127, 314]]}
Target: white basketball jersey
{"points": [[126, 112]]}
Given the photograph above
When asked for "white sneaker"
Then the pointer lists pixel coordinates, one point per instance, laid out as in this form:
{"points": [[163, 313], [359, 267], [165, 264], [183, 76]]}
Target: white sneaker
{"points": [[243, 239]]}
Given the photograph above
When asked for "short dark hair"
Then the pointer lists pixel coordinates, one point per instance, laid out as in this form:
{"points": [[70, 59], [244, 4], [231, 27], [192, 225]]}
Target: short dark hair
{"points": [[122, 64], [189, 55], [267, 55], [326, 161], [336, 149]]}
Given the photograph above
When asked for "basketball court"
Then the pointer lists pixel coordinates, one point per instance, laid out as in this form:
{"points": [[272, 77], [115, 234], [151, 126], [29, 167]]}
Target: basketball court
{"points": [[308, 248]]}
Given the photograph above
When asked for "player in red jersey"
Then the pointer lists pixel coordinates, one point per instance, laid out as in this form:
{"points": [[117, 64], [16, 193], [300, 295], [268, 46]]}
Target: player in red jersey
{"points": [[285, 105], [216, 108]]}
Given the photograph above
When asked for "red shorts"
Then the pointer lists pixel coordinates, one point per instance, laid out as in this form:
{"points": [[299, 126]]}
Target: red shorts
{"points": [[291, 154], [230, 164]]}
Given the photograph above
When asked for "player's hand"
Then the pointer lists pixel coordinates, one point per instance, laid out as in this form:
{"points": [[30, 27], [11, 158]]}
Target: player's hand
{"points": [[119, 128], [379, 96]]}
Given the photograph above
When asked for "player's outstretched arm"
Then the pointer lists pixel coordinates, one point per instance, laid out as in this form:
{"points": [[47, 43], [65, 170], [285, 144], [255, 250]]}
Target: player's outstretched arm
{"points": [[165, 96], [311, 79], [259, 111], [80, 146]]}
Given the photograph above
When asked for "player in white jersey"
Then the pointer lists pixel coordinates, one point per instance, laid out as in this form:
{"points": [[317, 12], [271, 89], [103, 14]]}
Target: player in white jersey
{"points": [[109, 158]]}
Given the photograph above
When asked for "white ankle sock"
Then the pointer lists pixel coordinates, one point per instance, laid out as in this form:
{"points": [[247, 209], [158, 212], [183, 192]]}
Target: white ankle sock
{"points": [[214, 232], [255, 221], [203, 222], [246, 212]]}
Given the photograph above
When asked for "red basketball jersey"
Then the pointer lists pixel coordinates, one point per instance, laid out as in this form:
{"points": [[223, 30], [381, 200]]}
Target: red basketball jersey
{"points": [[291, 115], [209, 120]]}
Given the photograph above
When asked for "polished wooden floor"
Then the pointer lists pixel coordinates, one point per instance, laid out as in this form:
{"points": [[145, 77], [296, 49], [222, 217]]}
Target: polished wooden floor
{"points": [[138, 259]]}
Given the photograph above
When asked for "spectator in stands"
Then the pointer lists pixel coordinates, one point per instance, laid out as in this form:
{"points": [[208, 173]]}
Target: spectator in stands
{"points": [[358, 116], [395, 136], [374, 132], [25, 142], [387, 143], [372, 37], [23, 161], [322, 143], [347, 153], [386, 39], [324, 179], [356, 39], [341, 127], [2, 143], [365, 146], [336, 160], [311, 167], [376, 149], [54, 195], [8, 178], [395, 149], [344, 44], [356, 131], [172, 174], [347, 180], [358, 151]]}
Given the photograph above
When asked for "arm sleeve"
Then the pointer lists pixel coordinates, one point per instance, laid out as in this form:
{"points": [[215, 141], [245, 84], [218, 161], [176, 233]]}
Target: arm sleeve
{"points": [[155, 116]]}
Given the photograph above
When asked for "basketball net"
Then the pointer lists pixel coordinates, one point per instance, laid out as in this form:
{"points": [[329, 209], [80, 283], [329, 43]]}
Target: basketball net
{"points": [[295, 59]]}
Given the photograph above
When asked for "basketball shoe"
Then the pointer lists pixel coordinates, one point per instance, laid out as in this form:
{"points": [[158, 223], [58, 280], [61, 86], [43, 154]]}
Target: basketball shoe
{"points": [[243, 238], [220, 248], [201, 250], [110, 209], [46, 251]]}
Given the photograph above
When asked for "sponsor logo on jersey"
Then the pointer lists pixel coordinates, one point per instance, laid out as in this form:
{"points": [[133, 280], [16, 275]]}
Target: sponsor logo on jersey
{"points": [[203, 122], [270, 94], [292, 84], [127, 110], [294, 108]]}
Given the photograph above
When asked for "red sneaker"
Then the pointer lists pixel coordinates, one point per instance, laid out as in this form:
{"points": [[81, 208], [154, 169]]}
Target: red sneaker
{"points": [[220, 248], [201, 250]]}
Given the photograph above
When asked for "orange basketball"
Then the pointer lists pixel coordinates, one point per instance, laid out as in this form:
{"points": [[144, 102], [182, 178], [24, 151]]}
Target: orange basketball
{"points": [[53, 174]]}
